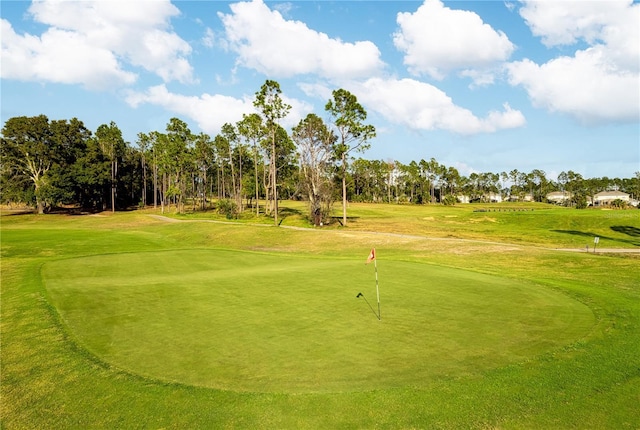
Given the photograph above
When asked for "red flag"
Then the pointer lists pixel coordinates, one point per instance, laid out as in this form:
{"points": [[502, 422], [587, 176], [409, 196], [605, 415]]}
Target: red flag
{"points": [[372, 256]]}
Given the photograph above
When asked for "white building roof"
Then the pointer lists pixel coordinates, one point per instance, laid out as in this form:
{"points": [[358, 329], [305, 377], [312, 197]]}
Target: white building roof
{"points": [[611, 194]]}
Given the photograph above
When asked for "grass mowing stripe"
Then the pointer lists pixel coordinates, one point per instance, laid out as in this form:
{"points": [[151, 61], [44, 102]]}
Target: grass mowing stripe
{"points": [[270, 322]]}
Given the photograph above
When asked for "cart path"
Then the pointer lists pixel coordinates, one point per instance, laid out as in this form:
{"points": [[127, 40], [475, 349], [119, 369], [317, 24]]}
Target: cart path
{"points": [[410, 236]]}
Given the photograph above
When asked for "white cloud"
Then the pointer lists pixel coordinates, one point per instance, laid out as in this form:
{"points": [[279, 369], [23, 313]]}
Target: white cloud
{"points": [[59, 56], [563, 23], [268, 43], [209, 38], [283, 8], [209, 111], [464, 168], [583, 86], [436, 40], [595, 85], [481, 78], [91, 42], [422, 106], [317, 90], [613, 24]]}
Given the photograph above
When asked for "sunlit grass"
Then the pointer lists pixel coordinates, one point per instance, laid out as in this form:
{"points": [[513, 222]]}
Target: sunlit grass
{"points": [[268, 322], [52, 376]]}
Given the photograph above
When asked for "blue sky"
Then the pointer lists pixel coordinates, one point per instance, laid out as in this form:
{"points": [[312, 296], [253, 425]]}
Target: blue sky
{"points": [[484, 86]]}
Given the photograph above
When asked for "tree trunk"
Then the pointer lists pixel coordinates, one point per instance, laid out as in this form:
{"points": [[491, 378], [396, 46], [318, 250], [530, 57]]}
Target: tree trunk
{"points": [[255, 164], [241, 204], [344, 190], [155, 185], [144, 183], [114, 173], [275, 182], [234, 192], [39, 204]]}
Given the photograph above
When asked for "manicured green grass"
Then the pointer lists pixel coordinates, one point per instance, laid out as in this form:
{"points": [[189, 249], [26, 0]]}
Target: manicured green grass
{"points": [[567, 325], [538, 224], [531, 223], [274, 323]]}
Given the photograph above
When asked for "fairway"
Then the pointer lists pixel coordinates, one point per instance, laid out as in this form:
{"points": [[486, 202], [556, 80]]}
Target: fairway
{"points": [[281, 323]]}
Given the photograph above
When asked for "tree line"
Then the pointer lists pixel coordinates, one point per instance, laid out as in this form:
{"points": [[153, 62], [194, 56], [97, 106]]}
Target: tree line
{"points": [[48, 163]]}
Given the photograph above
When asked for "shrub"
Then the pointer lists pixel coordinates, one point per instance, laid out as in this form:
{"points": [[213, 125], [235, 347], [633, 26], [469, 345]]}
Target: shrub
{"points": [[449, 200], [228, 208]]}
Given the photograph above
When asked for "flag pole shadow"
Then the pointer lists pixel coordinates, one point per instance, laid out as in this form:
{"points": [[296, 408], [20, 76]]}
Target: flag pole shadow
{"points": [[367, 301]]}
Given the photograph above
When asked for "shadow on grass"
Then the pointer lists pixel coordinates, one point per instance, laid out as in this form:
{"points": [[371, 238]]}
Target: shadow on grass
{"points": [[286, 212], [631, 231], [627, 229], [16, 212], [289, 211]]}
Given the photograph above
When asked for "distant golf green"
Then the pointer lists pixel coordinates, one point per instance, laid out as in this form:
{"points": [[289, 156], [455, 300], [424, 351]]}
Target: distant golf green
{"points": [[244, 321]]}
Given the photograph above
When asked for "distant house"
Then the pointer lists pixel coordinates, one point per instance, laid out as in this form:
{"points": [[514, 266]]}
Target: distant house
{"points": [[606, 197], [489, 197], [521, 198], [492, 197], [463, 198], [558, 197]]}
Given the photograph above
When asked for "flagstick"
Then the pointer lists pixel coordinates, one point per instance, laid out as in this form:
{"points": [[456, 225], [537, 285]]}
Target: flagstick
{"points": [[375, 264]]}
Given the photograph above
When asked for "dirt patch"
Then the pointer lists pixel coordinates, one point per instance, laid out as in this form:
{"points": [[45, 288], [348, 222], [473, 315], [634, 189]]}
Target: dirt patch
{"points": [[165, 218], [483, 219]]}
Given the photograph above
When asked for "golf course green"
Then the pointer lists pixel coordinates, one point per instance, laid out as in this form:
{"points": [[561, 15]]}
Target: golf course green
{"points": [[496, 320], [263, 322]]}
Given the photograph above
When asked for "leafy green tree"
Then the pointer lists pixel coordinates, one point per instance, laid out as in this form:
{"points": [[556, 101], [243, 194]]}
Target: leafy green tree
{"points": [[144, 144], [70, 138], [236, 152], [538, 180], [287, 171], [631, 186], [40, 157], [203, 158], [272, 109], [129, 178], [348, 118], [179, 160], [92, 174], [110, 139], [563, 178], [221, 151], [315, 144], [391, 179], [157, 140], [28, 151], [252, 130], [515, 190], [434, 172], [359, 171], [451, 181], [575, 186]]}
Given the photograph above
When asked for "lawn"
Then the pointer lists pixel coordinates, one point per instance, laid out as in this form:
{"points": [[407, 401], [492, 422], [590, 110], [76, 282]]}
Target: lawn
{"points": [[274, 323], [129, 321]]}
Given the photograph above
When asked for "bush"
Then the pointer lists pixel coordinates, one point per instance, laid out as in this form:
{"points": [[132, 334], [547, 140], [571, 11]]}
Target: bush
{"points": [[228, 208], [449, 200], [619, 204]]}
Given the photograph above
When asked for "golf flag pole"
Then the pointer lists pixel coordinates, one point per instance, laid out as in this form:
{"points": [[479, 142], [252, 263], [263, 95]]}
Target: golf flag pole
{"points": [[372, 256]]}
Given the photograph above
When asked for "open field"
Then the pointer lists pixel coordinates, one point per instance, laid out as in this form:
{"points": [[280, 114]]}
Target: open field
{"points": [[129, 321]]}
